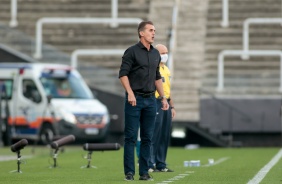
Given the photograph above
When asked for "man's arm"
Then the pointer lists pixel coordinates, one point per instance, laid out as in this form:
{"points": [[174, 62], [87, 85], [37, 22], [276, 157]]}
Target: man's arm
{"points": [[159, 87], [125, 83], [173, 111]]}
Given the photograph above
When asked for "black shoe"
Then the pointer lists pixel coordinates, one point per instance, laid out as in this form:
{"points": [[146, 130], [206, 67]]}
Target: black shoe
{"points": [[129, 177], [166, 170], [146, 177]]}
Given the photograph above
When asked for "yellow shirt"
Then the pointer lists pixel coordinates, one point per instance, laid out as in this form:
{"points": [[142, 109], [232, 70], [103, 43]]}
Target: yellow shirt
{"points": [[165, 73]]}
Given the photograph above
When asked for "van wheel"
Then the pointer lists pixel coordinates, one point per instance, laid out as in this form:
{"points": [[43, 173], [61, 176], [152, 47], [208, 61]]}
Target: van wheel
{"points": [[46, 135]]}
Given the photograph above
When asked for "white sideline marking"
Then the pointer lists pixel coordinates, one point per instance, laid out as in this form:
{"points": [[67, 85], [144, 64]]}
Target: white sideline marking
{"points": [[175, 178], [8, 157], [167, 181], [261, 174], [217, 162], [220, 160]]}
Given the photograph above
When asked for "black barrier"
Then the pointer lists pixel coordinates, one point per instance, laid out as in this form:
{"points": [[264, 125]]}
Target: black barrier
{"points": [[17, 147], [90, 147], [101, 146], [65, 140], [57, 144]]}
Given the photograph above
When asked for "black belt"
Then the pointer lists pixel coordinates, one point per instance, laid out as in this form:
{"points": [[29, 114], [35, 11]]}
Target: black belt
{"points": [[159, 98], [144, 95]]}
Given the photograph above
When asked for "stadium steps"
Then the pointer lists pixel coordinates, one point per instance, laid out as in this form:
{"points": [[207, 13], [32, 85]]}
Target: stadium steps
{"points": [[258, 75], [61, 40], [160, 13], [189, 53], [66, 38], [69, 37], [98, 76]]}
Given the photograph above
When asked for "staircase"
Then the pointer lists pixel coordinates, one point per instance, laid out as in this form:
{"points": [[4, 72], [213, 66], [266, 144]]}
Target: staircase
{"points": [[189, 52]]}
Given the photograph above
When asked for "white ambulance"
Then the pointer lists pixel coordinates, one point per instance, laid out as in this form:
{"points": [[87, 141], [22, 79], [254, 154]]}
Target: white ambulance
{"points": [[44, 101]]}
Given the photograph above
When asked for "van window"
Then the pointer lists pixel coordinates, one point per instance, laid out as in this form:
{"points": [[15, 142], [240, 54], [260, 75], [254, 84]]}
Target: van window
{"points": [[66, 87], [30, 91], [7, 86]]}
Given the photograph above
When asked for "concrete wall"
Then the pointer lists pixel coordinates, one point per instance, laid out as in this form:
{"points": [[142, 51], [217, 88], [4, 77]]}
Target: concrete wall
{"points": [[241, 115]]}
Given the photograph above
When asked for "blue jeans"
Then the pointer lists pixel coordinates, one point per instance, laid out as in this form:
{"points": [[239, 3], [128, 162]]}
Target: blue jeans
{"points": [[161, 137], [143, 115]]}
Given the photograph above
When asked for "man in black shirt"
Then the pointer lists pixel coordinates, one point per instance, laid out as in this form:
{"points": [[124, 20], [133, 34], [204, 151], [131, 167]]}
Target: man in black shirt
{"points": [[139, 74]]}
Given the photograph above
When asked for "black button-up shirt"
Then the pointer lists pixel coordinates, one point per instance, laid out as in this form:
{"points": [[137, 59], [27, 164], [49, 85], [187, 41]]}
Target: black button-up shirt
{"points": [[141, 67]]}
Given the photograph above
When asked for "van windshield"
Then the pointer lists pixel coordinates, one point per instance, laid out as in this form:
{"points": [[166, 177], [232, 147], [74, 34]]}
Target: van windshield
{"points": [[68, 86]]}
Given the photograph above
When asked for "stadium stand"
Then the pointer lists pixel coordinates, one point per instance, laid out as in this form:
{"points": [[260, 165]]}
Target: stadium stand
{"points": [[258, 75], [200, 38], [250, 102], [189, 53], [61, 40]]}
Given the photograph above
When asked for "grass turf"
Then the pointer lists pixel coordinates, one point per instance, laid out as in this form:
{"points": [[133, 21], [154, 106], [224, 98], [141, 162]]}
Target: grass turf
{"points": [[232, 166]]}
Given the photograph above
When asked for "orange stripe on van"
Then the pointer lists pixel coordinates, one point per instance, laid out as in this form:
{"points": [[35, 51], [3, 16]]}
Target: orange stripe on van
{"points": [[23, 121], [10, 120], [38, 121]]}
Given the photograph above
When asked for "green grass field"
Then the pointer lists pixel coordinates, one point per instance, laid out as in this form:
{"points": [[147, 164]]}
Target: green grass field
{"points": [[231, 165]]}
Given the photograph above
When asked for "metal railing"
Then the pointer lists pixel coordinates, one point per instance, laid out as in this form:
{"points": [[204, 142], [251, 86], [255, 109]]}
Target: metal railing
{"points": [[225, 13], [96, 52], [173, 36], [222, 54], [246, 33], [114, 11], [54, 20], [172, 42], [14, 12]]}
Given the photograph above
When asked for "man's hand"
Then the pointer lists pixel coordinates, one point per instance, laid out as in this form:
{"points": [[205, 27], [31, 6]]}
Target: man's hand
{"points": [[132, 99], [165, 104], [173, 113]]}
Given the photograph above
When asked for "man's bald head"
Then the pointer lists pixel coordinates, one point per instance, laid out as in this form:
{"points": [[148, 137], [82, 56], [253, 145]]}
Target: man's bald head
{"points": [[163, 52], [162, 49]]}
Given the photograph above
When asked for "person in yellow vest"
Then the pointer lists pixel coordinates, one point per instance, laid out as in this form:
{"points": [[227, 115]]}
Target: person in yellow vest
{"points": [[161, 136]]}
